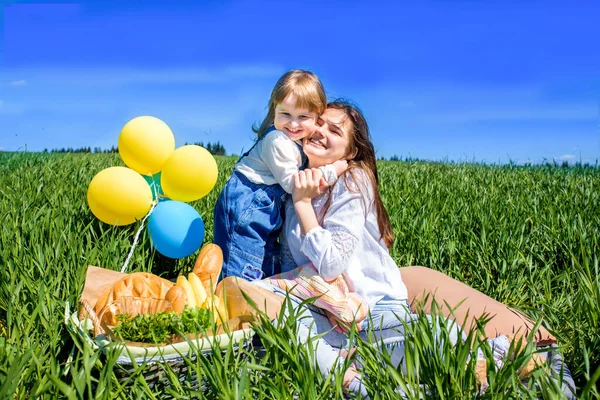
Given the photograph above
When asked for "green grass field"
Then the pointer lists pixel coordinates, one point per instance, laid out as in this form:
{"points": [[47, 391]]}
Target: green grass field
{"points": [[526, 236]]}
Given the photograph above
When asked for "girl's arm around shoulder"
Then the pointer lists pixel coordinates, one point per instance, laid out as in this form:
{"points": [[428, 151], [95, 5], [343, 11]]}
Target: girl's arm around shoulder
{"points": [[331, 172], [282, 156]]}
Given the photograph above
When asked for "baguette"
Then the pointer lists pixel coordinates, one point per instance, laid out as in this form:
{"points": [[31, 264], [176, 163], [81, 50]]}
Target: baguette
{"points": [[189, 291], [208, 267], [137, 284], [217, 306], [198, 288]]}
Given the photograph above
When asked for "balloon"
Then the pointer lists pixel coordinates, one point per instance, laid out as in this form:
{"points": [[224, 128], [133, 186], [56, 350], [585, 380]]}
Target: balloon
{"points": [[176, 229], [145, 143], [154, 182], [119, 196], [189, 173]]}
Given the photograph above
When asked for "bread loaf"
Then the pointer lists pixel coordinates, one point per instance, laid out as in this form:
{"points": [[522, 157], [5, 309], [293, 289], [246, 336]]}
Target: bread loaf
{"points": [[208, 266], [138, 284], [177, 296]]}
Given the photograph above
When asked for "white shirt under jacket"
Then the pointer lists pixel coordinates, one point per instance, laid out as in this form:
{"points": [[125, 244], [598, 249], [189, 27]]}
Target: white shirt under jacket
{"points": [[275, 159], [347, 243]]}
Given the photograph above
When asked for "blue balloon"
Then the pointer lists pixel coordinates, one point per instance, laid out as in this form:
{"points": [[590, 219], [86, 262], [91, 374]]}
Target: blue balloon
{"points": [[176, 229]]}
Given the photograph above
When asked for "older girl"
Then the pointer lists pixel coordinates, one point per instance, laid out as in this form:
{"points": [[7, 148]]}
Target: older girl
{"points": [[345, 231]]}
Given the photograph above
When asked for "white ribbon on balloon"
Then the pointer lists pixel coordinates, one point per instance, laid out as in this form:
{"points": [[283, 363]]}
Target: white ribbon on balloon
{"points": [[139, 231]]}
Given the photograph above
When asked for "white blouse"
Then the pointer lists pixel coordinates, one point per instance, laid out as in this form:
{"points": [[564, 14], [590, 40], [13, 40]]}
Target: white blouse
{"points": [[275, 159], [347, 243]]}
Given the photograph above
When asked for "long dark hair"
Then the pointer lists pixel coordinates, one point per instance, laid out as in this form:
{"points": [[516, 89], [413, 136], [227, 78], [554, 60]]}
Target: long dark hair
{"points": [[361, 154]]}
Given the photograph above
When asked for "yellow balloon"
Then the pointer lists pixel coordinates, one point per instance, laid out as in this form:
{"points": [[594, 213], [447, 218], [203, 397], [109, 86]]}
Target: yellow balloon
{"points": [[119, 196], [145, 143], [189, 173]]}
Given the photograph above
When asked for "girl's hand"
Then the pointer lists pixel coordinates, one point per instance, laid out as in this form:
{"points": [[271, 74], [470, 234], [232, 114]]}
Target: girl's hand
{"points": [[340, 166], [307, 185]]}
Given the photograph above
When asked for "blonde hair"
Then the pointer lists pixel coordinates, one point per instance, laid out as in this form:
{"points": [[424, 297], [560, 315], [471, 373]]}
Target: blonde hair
{"points": [[305, 86]]}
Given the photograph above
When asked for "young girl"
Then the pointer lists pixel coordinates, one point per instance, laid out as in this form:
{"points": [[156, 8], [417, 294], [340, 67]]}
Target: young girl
{"points": [[248, 212]]}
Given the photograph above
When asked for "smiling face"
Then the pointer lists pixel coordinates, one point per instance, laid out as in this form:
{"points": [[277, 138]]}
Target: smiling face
{"points": [[295, 122], [331, 139]]}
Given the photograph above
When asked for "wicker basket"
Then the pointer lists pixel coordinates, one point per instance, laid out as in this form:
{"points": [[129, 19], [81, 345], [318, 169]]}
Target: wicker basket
{"points": [[154, 370], [152, 363]]}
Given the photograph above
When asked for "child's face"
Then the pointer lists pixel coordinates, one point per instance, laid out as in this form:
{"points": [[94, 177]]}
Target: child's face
{"points": [[296, 123]]}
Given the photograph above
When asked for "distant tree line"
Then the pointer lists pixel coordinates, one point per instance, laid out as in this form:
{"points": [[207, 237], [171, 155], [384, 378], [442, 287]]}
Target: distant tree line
{"points": [[544, 163], [396, 158], [214, 148], [83, 150]]}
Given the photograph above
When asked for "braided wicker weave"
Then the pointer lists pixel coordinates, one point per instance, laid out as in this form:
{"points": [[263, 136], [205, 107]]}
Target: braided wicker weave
{"points": [[155, 368]]}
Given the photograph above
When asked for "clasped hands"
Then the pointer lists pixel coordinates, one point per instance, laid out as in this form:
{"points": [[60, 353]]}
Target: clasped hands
{"points": [[309, 183]]}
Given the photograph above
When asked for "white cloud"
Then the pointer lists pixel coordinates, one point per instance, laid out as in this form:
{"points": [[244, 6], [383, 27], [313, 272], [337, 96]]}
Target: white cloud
{"points": [[22, 82], [567, 158], [570, 112], [466, 103], [121, 76]]}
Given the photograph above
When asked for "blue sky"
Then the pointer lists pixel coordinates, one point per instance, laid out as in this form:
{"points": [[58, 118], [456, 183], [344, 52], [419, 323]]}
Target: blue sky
{"points": [[465, 80]]}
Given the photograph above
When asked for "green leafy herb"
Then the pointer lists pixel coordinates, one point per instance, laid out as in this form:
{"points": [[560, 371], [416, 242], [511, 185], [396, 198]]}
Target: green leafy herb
{"points": [[157, 328]]}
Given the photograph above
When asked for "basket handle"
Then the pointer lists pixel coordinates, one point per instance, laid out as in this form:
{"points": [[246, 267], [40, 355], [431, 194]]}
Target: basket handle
{"points": [[88, 311]]}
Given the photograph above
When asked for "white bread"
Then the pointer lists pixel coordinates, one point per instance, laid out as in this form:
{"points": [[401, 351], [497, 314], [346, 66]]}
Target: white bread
{"points": [[137, 284]]}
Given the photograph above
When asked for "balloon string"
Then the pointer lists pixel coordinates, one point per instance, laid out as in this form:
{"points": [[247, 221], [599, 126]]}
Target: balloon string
{"points": [[154, 188], [137, 236]]}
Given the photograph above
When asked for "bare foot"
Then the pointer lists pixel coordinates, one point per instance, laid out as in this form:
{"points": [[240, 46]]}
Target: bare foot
{"points": [[351, 372]]}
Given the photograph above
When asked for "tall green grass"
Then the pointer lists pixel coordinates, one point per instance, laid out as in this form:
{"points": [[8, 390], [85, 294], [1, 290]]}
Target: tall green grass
{"points": [[526, 236]]}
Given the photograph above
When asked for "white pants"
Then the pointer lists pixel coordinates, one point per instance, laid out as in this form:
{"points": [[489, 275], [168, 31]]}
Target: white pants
{"points": [[384, 327]]}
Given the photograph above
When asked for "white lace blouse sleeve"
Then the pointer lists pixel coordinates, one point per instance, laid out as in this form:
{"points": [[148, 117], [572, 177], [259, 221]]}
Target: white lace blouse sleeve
{"points": [[331, 245], [282, 156]]}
